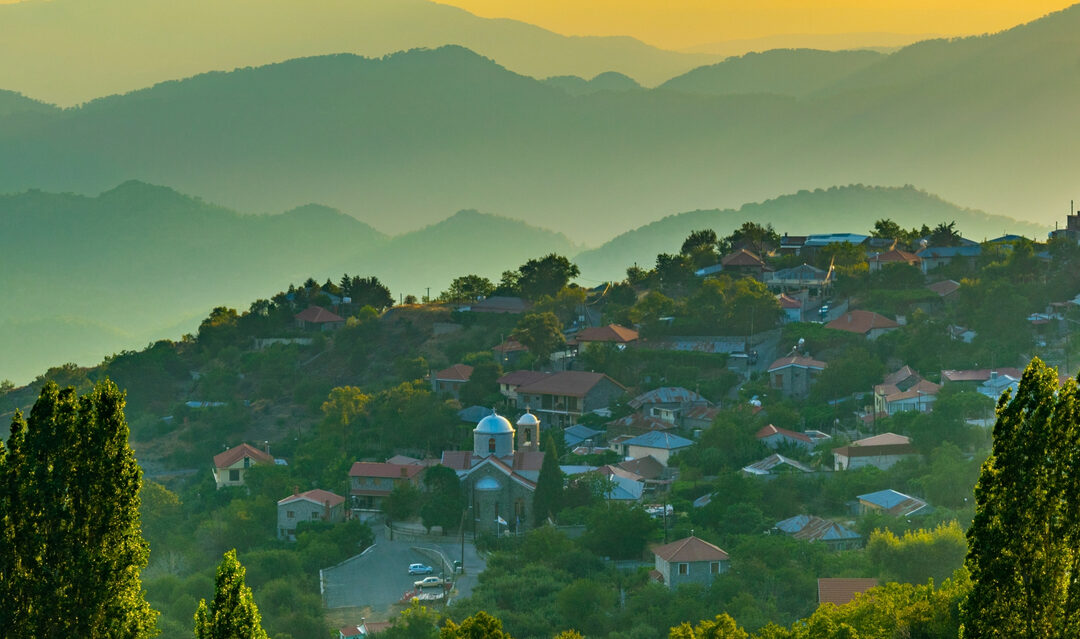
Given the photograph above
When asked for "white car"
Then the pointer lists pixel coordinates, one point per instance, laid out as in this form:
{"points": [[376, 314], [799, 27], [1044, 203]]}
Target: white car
{"points": [[420, 569], [428, 582]]}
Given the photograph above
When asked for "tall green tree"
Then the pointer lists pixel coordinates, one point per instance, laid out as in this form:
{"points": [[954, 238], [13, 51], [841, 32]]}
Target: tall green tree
{"points": [[467, 288], [72, 549], [479, 626], [541, 333], [1024, 543], [545, 276], [444, 502], [547, 500], [233, 613]]}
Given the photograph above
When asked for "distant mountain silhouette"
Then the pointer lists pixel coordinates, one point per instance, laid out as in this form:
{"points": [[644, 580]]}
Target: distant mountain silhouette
{"points": [[87, 276], [401, 140], [609, 81], [16, 103], [43, 44], [848, 209], [796, 72]]}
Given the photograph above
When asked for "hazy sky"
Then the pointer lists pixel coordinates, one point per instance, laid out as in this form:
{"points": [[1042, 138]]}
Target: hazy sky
{"points": [[677, 24]]}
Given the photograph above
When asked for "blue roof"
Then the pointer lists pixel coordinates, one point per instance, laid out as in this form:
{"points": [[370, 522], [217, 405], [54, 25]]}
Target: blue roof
{"points": [[709, 270], [473, 414], [666, 395], [1006, 238], [816, 529], [885, 498], [577, 434], [824, 239], [658, 439]]}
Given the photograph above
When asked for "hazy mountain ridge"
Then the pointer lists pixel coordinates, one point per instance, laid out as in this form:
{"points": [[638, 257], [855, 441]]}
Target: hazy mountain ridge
{"points": [[609, 81], [42, 54], [848, 209]]}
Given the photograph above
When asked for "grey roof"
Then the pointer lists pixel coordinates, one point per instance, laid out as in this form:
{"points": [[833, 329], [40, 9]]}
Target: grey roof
{"points": [[474, 414], [659, 439], [766, 466], [578, 433], [666, 395], [824, 239], [950, 251]]}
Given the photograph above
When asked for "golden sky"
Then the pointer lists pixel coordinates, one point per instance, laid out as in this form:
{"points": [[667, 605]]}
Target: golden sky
{"points": [[678, 24]]}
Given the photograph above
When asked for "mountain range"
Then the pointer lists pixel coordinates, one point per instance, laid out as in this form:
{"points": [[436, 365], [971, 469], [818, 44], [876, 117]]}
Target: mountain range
{"points": [[87, 276], [44, 44], [399, 141]]}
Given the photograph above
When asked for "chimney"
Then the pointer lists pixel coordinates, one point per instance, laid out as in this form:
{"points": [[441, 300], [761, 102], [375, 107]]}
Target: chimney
{"points": [[295, 489], [404, 472], [326, 510], [266, 446]]}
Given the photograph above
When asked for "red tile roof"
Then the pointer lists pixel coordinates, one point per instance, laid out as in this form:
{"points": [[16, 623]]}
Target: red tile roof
{"points": [[609, 333], [742, 257], [895, 256], [861, 322], [510, 346], [456, 373], [457, 459], [527, 460], [569, 383], [689, 549], [787, 301], [796, 360], [944, 287], [318, 496], [979, 375], [318, 315], [770, 430], [384, 470], [235, 454], [842, 591]]}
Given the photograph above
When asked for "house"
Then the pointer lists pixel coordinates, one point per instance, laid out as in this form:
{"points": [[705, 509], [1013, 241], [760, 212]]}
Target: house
{"points": [[892, 503], [450, 380], [512, 381], [667, 402], [792, 308], [818, 530], [612, 333], [318, 318], [866, 323], [230, 466], [562, 398], [623, 485], [636, 424], [699, 417], [689, 560], [996, 385], [878, 261], [313, 505], [648, 467], [509, 352], [744, 263], [499, 474], [816, 242], [904, 390], [842, 590], [945, 289], [1071, 230], [660, 445], [774, 438], [499, 304], [799, 277], [579, 434], [775, 464], [370, 483], [937, 256], [972, 378], [793, 375], [364, 630], [879, 451]]}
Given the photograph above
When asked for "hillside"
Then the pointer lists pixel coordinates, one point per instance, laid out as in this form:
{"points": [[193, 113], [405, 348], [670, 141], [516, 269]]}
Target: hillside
{"points": [[399, 141], [796, 72], [851, 209], [609, 81], [160, 260], [42, 44]]}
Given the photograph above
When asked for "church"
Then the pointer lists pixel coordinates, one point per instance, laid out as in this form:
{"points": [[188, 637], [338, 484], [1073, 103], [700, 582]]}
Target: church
{"points": [[499, 474]]}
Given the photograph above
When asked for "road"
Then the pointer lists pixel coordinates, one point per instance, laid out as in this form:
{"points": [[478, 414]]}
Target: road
{"points": [[377, 579]]}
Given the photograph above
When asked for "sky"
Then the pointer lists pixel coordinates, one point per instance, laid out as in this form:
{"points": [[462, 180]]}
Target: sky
{"points": [[683, 24]]}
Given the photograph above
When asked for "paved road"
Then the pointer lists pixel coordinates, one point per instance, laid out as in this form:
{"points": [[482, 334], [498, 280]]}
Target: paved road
{"points": [[379, 577]]}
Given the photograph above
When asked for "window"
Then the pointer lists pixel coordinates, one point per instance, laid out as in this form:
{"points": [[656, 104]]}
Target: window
{"points": [[778, 380], [247, 462], [290, 515], [234, 475], [684, 569], [715, 567], [315, 516], [491, 445]]}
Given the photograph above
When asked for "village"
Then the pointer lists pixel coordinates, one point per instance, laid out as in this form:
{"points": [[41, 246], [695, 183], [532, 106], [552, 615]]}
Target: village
{"points": [[832, 391]]}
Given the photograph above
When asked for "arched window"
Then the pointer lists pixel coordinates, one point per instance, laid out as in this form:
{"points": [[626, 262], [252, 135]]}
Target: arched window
{"points": [[491, 445]]}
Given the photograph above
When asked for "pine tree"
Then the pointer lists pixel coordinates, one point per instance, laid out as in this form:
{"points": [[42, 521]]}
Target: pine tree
{"points": [[549, 485], [1023, 542], [69, 498], [232, 614]]}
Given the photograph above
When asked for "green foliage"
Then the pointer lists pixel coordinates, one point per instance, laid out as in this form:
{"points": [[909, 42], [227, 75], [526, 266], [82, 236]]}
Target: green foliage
{"points": [[72, 547], [619, 531], [479, 626], [444, 502], [722, 627], [541, 333], [467, 288], [232, 614], [848, 374], [918, 555], [404, 502], [414, 622], [1024, 539], [545, 276], [548, 497]]}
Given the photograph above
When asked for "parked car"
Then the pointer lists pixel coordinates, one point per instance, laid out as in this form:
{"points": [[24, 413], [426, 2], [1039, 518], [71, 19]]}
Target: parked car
{"points": [[420, 569], [428, 582]]}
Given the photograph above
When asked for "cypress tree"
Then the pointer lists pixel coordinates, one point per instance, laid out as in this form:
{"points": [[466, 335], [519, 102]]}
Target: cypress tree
{"points": [[549, 485], [1022, 543], [69, 496], [233, 613]]}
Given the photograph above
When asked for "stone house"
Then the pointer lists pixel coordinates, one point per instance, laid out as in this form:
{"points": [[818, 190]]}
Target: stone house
{"points": [[880, 451], [793, 375], [689, 560], [319, 319], [370, 483], [560, 399], [231, 465], [450, 380], [313, 505]]}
